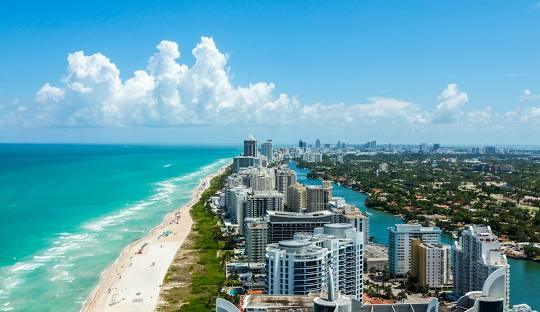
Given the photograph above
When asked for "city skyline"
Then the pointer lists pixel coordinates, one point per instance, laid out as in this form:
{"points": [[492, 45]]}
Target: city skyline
{"points": [[358, 70]]}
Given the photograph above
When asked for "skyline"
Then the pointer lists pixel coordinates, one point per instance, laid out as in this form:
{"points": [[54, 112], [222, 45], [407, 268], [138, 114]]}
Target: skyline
{"points": [[197, 82]]}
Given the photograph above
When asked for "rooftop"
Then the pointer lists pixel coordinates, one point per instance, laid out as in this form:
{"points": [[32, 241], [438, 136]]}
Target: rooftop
{"points": [[288, 301], [294, 243]]}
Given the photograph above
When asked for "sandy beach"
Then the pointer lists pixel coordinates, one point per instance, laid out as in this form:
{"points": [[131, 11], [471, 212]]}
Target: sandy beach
{"points": [[133, 281]]}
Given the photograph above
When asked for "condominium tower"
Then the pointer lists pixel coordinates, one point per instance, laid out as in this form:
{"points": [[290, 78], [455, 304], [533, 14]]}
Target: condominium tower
{"points": [[477, 255], [400, 244]]}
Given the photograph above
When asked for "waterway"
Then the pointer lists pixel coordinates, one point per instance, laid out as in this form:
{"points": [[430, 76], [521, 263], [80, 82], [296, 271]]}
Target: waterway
{"points": [[524, 275]]}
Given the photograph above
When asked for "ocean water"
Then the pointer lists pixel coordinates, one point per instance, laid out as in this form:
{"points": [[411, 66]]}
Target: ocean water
{"points": [[67, 211], [524, 275]]}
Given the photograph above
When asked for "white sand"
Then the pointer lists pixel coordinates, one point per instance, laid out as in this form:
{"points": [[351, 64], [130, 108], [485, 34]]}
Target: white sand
{"points": [[133, 281]]}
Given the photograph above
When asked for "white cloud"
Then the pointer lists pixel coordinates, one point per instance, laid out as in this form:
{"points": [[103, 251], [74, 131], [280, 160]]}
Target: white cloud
{"points": [[49, 93], [528, 95], [167, 93], [451, 102], [531, 115]]}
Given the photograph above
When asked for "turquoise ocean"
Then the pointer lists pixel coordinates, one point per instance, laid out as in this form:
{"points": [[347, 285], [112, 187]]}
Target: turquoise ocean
{"points": [[67, 211]]}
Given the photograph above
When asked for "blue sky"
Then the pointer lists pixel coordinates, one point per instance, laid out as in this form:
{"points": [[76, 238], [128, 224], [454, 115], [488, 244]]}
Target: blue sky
{"points": [[381, 66]]}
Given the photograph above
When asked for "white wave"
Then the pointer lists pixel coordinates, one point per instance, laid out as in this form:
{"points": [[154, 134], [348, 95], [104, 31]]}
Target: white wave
{"points": [[63, 276], [66, 248], [116, 218], [167, 165], [67, 265], [25, 266]]}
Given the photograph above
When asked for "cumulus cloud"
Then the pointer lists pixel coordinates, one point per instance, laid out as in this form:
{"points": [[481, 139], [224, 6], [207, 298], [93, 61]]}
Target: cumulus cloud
{"points": [[451, 102], [168, 93], [49, 93]]}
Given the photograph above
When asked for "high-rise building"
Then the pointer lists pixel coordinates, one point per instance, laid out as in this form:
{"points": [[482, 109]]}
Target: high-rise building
{"points": [[317, 197], [256, 235], [250, 146], [430, 264], [302, 145], [295, 267], [283, 225], [259, 202], [475, 257], [240, 162], [317, 144], [346, 246], [436, 147], [268, 150], [351, 214], [296, 197], [259, 179], [490, 150], [285, 177], [300, 266], [400, 247], [235, 202]]}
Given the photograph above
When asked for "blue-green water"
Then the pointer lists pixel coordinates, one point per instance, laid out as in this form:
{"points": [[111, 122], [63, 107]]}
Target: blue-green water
{"points": [[66, 212], [524, 275]]}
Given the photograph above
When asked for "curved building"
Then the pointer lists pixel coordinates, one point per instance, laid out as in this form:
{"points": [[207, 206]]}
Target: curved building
{"points": [[295, 267]]}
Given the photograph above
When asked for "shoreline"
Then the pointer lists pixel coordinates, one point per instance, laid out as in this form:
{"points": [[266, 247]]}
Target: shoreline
{"points": [[133, 281]]}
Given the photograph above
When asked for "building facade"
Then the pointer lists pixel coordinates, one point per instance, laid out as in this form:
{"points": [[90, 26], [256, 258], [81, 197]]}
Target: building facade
{"points": [[296, 197], [301, 265], [400, 245], [475, 256], [283, 225], [267, 150], [431, 264], [318, 197], [259, 202], [256, 235], [346, 249], [285, 177], [250, 146], [295, 267]]}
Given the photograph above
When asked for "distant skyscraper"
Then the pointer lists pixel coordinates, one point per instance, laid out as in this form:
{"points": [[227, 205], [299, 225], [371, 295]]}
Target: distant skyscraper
{"points": [[436, 146], [400, 247], [250, 146], [268, 150], [490, 150], [302, 145], [317, 144]]}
